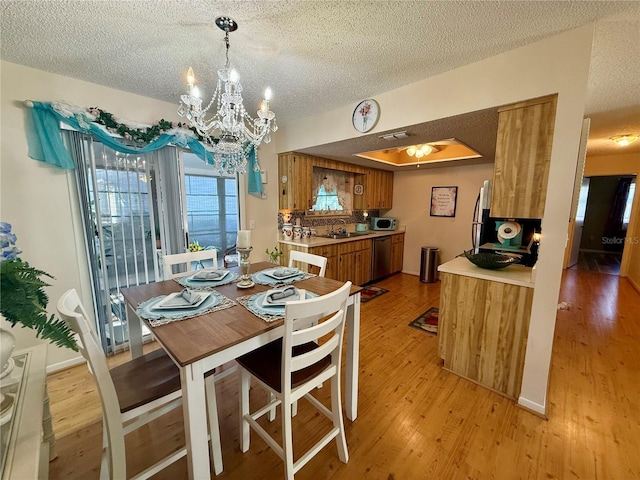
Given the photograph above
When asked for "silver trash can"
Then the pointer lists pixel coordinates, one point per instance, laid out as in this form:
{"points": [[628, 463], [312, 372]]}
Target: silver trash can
{"points": [[429, 265]]}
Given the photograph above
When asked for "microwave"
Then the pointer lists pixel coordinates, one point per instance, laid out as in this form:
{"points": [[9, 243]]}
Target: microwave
{"points": [[383, 223]]}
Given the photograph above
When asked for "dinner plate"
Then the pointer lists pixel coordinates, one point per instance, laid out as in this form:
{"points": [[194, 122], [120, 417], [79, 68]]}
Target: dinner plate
{"points": [[194, 277], [255, 304], [269, 273], [165, 304], [281, 302]]}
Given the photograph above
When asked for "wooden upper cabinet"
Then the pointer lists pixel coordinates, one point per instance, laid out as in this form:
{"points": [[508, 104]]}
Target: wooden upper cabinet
{"points": [[523, 154], [295, 193], [378, 190]]}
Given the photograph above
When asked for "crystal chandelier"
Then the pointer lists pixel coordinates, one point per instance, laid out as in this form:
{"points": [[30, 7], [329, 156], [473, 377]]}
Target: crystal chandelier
{"points": [[230, 131]]}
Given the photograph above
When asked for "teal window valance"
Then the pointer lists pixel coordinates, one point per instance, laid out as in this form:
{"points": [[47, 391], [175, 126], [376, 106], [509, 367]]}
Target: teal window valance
{"points": [[45, 141]]}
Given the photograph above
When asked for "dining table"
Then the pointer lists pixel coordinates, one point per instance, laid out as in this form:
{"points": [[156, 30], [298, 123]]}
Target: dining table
{"points": [[199, 344]]}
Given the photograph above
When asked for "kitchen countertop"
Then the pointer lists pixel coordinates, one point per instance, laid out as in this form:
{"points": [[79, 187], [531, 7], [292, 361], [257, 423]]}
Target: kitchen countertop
{"points": [[513, 274], [321, 241]]}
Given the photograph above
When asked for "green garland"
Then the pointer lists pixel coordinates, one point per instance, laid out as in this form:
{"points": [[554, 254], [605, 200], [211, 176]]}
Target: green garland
{"points": [[139, 135]]}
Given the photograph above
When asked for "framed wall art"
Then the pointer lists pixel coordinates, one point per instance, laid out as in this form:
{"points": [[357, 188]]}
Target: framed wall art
{"points": [[443, 201]]}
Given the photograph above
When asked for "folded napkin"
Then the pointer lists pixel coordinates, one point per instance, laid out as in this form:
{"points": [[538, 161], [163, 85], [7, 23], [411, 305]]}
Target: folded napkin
{"points": [[284, 272], [184, 298], [288, 294], [213, 275]]}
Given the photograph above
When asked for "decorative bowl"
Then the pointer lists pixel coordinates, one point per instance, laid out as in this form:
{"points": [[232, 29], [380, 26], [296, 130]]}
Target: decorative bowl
{"points": [[490, 260]]}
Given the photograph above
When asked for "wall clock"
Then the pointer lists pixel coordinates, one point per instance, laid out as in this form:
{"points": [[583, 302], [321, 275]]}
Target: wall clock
{"points": [[366, 115]]}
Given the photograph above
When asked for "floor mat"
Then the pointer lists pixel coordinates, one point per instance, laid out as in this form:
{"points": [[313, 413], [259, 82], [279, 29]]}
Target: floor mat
{"points": [[369, 293], [428, 321]]}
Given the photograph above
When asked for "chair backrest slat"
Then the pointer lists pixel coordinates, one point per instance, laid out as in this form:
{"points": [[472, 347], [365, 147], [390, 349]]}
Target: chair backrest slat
{"points": [[304, 335], [332, 307], [314, 356], [308, 259], [187, 258]]}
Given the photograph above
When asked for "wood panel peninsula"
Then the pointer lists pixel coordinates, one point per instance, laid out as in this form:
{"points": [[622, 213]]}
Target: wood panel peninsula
{"points": [[484, 314], [484, 323]]}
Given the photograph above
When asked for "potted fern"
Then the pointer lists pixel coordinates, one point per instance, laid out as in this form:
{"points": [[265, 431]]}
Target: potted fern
{"points": [[22, 296]]}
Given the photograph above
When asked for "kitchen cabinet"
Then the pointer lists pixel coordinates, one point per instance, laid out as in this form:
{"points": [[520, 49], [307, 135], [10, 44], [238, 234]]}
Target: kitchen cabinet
{"points": [[378, 190], [296, 192], [345, 260], [523, 154], [483, 329], [397, 252], [295, 174], [354, 262], [331, 252]]}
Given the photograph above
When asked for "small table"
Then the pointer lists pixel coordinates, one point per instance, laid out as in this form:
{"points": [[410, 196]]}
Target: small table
{"points": [[200, 344], [26, 434]]}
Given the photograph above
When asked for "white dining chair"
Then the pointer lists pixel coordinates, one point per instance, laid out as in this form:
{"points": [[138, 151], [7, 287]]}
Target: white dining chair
{"points": [[133, 394], [188, 258], [291, 367], [308, 259]]}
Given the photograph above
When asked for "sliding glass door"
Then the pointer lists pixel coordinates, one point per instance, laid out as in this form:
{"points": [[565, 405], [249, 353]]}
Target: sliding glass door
{"points": [[137, 208]]}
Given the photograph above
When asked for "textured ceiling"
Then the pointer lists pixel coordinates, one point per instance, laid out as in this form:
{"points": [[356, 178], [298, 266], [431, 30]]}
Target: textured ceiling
{"points": [[319, 55]]}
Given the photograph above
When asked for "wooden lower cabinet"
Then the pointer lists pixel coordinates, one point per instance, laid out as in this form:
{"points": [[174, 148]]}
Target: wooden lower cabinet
{"points": [[354, 261], [483, 329], [348, 261], [397, 252], [331, 252]]}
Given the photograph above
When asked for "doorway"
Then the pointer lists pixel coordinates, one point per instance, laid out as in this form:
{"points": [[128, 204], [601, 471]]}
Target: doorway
{"points": [[604, 212]]}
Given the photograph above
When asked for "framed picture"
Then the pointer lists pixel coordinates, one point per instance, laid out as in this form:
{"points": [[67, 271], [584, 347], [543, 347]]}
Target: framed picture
{"points": [[443, 201]]}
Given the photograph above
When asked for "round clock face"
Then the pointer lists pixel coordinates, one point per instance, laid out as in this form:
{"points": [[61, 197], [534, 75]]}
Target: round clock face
{"points": [[365, 116]]}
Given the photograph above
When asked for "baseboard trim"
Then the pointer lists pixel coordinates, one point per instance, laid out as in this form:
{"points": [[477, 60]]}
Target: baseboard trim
{"points": [[533, 407], [56, 367], [633, 283]]}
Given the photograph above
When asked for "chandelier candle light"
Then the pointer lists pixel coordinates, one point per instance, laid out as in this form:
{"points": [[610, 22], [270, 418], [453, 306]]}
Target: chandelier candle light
{"points": [[230, 131], [243, 245]]}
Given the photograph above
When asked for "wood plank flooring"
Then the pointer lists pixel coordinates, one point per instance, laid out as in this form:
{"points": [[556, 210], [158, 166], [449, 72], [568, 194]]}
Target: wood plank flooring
{"points": [[602, 262], [417, 421]]}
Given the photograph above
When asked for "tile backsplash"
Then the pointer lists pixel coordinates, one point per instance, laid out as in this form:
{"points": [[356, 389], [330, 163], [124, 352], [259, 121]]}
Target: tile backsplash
{"points": [[305, 221]]}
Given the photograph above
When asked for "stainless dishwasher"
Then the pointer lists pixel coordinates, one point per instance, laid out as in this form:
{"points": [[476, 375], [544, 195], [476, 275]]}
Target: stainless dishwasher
{"points": [[381, 258]]}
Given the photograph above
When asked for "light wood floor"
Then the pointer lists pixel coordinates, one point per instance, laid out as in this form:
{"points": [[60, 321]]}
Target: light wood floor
{"points": [[417, 421]]}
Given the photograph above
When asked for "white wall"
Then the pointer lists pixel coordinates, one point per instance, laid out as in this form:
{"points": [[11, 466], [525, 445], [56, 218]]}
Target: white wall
{"points": [[558, 64], [411, 205], [40, 202]]}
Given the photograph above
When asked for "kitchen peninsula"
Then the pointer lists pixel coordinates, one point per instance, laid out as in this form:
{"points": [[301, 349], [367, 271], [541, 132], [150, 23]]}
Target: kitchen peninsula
{"points": [[484, 323]]}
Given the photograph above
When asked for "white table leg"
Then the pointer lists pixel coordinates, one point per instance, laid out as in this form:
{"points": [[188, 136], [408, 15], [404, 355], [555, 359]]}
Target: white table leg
{"points": [[135, 332], [353, 357], [195, 421]]}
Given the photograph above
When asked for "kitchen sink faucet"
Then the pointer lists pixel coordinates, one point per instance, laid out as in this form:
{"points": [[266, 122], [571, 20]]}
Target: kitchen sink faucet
{"points": [[344, 229]]}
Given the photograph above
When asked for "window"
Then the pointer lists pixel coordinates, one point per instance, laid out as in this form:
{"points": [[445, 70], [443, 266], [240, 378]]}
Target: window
{"points": [[626, 216], [212, 210]]}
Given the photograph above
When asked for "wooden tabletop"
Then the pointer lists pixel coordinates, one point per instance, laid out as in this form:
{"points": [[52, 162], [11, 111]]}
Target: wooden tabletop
{"points": [[192, 339]]}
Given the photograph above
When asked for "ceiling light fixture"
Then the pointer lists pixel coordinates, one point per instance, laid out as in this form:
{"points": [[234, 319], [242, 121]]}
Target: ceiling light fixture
{"points": [[231, 131], [624, 140], [420, 150]]}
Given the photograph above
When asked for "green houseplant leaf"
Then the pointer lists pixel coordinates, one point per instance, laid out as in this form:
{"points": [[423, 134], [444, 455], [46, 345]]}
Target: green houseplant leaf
{"points": [[22, 296]]}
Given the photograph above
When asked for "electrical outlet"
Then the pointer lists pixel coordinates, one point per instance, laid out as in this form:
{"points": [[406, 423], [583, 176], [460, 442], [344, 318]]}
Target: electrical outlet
{"points": [[252, 224]]}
